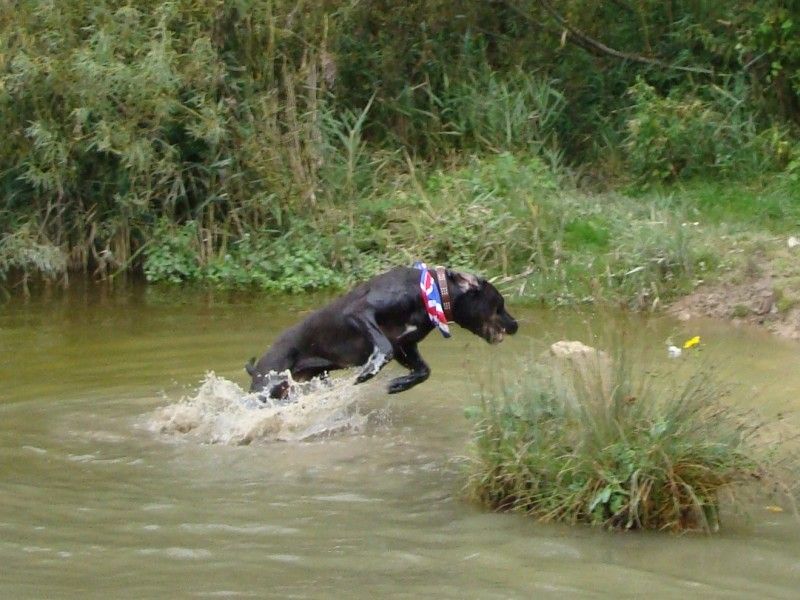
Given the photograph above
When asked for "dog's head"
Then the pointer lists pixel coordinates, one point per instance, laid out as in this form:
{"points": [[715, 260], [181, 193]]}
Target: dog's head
{"points": [[480, 308], [276, 383]]}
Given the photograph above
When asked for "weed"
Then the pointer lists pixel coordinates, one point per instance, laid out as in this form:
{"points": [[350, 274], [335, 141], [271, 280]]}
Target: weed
{"points": [[620, 446], [682, 135], [314, 148]]}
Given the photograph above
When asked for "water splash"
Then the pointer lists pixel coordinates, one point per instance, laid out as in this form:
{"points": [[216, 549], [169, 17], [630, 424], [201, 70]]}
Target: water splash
{"points": [[221, 412]]}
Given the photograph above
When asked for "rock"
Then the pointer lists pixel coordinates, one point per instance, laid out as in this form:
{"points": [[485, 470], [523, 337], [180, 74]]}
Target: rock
{"points": [[573, 349], [792, 242], [764, 304], [593, 365]]}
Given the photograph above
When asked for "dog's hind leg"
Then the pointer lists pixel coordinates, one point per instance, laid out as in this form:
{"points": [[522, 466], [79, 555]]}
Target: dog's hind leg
{"points": [[409, 357], [382, 351]]}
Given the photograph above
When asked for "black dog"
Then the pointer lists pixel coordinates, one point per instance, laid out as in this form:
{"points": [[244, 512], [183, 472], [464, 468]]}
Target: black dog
{"points": [[377, 321]]}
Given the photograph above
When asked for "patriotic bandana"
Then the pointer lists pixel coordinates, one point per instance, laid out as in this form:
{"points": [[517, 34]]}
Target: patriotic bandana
{"points": [[432, 299]]}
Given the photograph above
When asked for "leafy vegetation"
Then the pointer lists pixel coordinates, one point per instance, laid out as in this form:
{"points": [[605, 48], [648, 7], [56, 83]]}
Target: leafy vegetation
{"points": [[615, 445], [684, 136], [293, 144]]}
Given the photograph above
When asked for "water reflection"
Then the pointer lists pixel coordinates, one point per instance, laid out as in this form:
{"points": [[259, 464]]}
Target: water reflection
{"points": [[94, 503]]}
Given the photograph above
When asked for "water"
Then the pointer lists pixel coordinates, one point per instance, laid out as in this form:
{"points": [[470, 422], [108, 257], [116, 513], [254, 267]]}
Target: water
{"points": [[101, 498], [221, 412]]}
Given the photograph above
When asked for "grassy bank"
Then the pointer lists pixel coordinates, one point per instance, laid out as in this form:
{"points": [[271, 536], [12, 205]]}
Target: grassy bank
{"points": [[617, 445], [514, 218], [509, 216]]}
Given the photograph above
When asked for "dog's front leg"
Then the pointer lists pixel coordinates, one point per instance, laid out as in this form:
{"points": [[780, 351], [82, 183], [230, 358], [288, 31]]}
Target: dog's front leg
{"points": [[376, 361], [409, 357], [381, 347]]}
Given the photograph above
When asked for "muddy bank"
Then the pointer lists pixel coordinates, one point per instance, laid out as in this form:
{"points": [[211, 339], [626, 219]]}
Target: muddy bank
{"points": [[767, 301]]}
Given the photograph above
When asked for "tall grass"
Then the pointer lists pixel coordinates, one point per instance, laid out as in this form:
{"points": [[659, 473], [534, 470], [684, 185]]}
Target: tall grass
{"points": [[512, 215], [505, 215], [617, 446], [252, 130], [116, 116], [684, 134]]}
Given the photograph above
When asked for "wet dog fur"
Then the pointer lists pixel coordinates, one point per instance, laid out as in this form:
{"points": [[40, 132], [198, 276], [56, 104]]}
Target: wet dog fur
{"points": [[380, 320]]}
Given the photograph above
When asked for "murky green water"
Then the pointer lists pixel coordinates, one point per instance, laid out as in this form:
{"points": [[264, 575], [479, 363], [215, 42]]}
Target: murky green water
{"points": [[93, 503]]}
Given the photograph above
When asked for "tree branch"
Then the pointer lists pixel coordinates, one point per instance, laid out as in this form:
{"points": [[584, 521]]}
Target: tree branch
{"points": [[579, 38]]}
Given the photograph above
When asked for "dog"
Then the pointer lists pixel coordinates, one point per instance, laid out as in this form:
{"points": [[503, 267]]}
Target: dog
{"points": [[380, 320]]}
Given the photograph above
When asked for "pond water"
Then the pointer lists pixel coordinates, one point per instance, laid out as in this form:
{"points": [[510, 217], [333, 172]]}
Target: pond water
{"points": [[102, 495]]}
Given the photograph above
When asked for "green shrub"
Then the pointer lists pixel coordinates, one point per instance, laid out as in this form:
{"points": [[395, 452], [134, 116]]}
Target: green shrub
{"points": [[622, 447], [510, 112], [682, 135], [288, 263], [25, 252], [507, 214], [173, 253], [245, 116]]}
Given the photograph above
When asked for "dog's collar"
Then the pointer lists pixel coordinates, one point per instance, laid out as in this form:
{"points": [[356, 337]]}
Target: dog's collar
{"points": [[447, 307], [431, 293]]}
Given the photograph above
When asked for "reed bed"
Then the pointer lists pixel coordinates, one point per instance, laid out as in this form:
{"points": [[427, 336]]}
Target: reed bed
{"points": [[617, 446]]}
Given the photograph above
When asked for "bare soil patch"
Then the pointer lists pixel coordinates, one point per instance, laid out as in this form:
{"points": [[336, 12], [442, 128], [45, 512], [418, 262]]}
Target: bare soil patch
{"points": [[765, 294]]}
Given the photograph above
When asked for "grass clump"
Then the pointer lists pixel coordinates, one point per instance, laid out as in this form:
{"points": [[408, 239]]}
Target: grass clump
{"points": [[618, 447]]}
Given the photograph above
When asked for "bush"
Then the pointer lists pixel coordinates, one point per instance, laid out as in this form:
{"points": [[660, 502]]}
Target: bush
{"points": [[619, 447], [172, 254], [22, 251], [514, 111], [288, 263], [506, 214], [682, 135], [248, 116]]}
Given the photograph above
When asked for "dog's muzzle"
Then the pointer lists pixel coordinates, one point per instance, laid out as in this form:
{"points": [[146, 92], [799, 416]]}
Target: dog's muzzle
{"points": [[496, 332], [495, 335]]}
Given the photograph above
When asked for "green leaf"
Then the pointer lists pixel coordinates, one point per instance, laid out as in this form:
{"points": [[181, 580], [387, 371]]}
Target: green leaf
{"points": [[602, 497]]}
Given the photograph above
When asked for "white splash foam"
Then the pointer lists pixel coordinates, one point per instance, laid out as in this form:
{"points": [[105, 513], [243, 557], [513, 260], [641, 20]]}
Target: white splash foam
{"points": [[221, 412]]}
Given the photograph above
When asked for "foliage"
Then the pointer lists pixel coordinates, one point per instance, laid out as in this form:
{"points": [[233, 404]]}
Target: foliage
{"points": [[511, 215], [22, 251], [115, 116], [683, 136], [772, 207], [619, 446], [288, 264], [301, 123], [172, 254]]}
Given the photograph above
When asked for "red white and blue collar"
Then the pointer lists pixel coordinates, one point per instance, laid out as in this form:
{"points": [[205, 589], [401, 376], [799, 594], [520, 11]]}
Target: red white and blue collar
{"points": [[435, 297]]}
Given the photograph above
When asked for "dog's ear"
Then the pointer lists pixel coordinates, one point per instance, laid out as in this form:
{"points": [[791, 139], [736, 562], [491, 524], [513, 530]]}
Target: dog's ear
{"points": [[466, 281]]}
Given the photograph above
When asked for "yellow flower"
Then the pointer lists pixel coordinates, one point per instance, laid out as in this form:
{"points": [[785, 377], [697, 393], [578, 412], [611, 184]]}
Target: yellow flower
{"points": [[691, 342]]}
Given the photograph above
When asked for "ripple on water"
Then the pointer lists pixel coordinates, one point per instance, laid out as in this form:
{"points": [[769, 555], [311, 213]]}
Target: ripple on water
{"points": [[284, 558], [176, 552], [253, 529], [346, 497]]}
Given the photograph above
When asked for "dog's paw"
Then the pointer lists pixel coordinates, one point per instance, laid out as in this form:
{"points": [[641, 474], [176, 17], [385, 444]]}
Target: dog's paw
{"points": [[406, 382], [401, 384], [364, 376], [376, 362], [396, 387]]}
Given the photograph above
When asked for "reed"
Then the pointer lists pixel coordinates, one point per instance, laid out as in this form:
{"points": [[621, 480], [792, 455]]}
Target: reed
{"points": [[344, 124], [616, 446]]}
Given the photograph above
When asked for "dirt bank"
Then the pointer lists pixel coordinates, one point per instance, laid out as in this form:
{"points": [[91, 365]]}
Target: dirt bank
{"points": [[766, 294]]}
